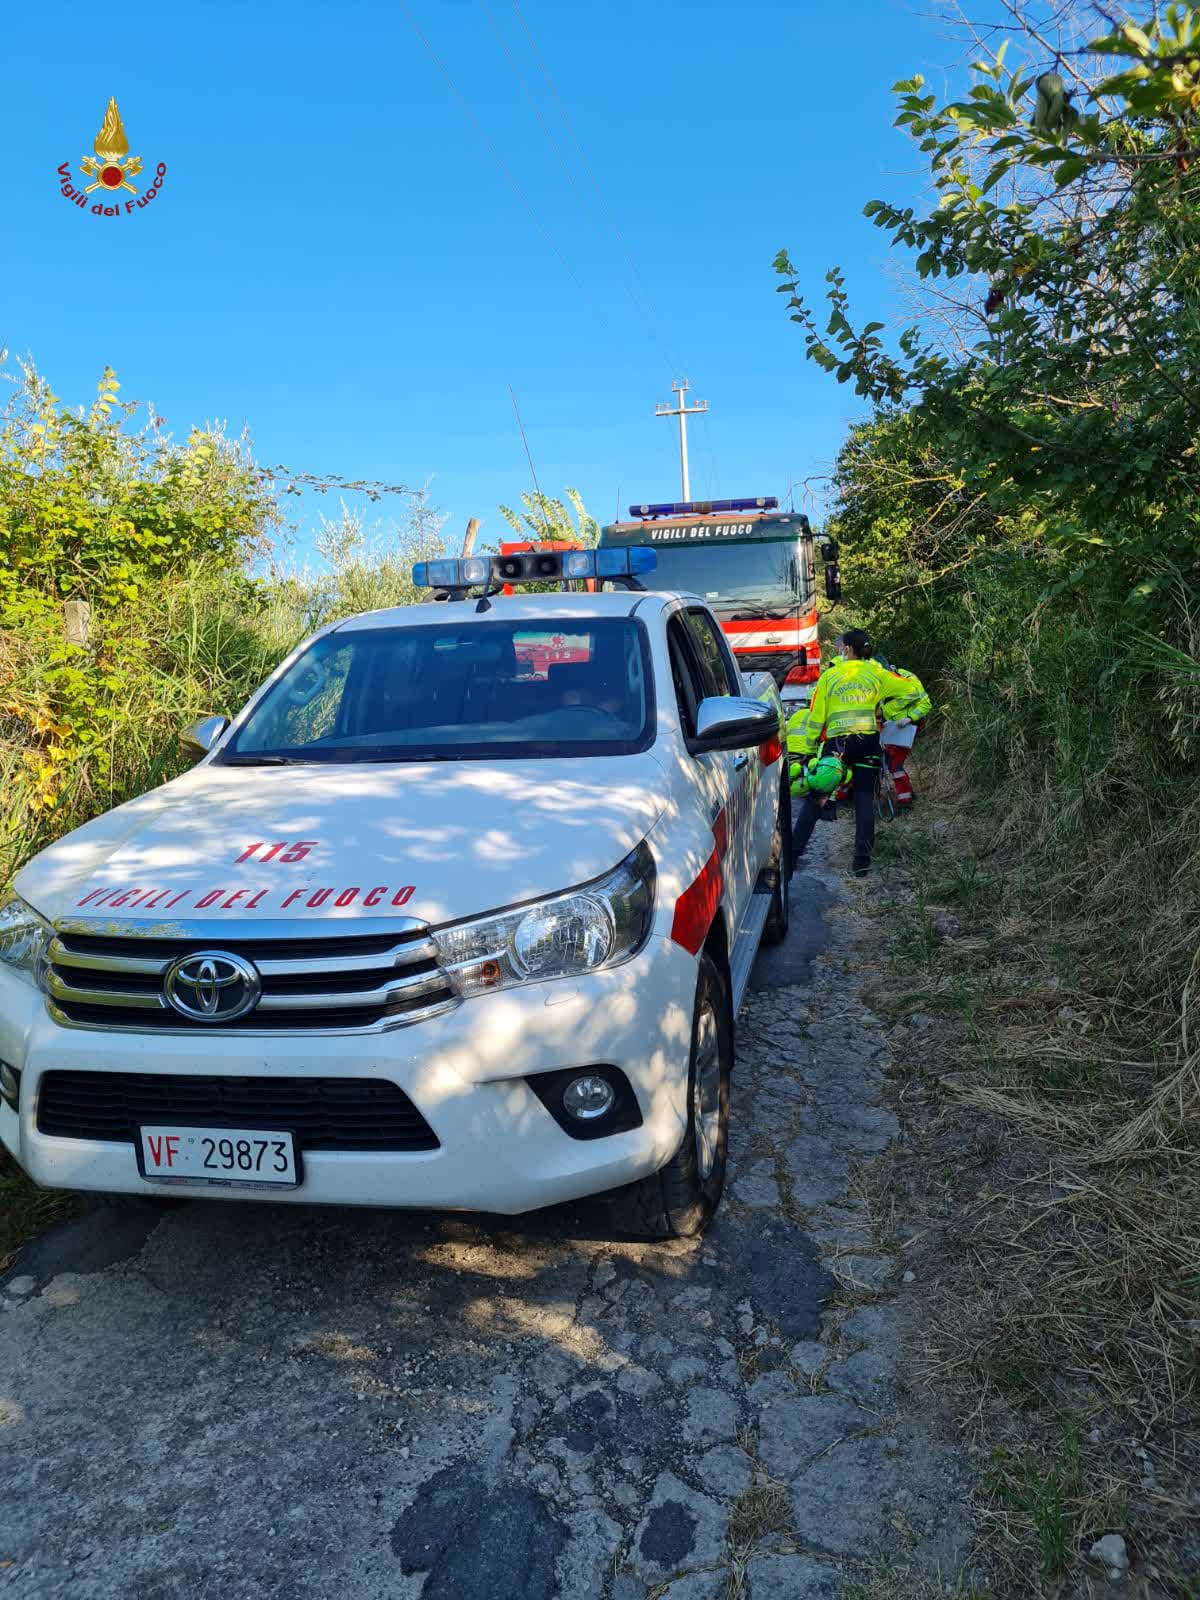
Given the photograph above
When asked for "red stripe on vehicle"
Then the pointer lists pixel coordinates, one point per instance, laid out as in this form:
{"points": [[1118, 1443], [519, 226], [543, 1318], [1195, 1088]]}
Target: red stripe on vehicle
{"points": [[790, 624], [786, 647], [697, 906]]}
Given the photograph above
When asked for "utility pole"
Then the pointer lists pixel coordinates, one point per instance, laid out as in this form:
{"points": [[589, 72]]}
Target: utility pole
{"points": [[683, 411]]}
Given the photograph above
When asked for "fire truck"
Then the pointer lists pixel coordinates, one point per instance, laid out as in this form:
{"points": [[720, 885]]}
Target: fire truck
{"points": [[754, 568]]}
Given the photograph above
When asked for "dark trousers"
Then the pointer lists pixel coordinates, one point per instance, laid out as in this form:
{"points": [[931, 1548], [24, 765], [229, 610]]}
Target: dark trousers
{"points": [[862, 755]]}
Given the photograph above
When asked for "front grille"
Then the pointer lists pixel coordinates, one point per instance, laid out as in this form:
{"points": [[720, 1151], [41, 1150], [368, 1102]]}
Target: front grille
{"points": [[322, 1113], [337, 983], [777, 662]]}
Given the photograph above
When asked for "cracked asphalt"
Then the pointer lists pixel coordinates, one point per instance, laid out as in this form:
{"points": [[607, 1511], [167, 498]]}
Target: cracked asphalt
{"points": [[239, 1401]]}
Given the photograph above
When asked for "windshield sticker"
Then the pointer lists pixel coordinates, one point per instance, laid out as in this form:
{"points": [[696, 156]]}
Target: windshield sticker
{"points": [[134, 898], [536, 653]]}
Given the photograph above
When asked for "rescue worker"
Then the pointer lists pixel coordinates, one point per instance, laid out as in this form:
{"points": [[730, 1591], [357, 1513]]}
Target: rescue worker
{"points": [[842, 720], [894, 711]]}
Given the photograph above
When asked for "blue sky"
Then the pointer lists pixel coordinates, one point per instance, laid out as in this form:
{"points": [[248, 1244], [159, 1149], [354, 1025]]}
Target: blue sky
{"points": [[337, 260]]}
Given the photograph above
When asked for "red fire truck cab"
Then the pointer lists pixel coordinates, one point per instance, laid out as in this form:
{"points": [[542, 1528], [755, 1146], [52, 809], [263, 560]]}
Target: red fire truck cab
{"points": [[753, 567]]}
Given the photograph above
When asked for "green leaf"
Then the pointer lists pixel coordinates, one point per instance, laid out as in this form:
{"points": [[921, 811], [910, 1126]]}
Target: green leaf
{"points": [[1068, 171], [1134, 36], [1120, 44]]}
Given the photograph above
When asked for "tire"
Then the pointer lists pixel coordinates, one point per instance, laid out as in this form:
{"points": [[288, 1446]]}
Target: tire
{"points": [[775, 929], [679, 1200], [885, 797]]}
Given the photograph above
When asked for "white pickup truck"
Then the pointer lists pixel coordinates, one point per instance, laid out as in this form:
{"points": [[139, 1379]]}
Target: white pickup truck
{"points": [[456, 913]]}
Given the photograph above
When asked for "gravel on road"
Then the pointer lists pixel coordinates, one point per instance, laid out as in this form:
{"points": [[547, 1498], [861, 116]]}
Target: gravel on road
{"points": [[286, 1404]]}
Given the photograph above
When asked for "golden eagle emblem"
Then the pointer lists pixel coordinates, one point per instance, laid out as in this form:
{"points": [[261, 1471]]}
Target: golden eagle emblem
{"points": [[108, 167]]}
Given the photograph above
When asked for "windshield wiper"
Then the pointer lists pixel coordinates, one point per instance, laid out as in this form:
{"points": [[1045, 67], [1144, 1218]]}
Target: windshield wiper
{"points": [[263, 761], [748, 610]]}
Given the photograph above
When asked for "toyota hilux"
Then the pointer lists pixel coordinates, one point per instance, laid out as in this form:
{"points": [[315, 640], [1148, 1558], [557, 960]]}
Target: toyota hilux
{"points": [[457, 912]]}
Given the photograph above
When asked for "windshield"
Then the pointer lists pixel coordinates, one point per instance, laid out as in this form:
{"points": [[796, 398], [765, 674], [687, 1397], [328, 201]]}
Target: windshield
{"points": [[460, 691], [757, 575]]}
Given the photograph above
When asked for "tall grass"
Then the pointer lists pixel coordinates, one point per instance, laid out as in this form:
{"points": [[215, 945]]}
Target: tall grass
{"points": [[1066, 1064], [195, 642]]}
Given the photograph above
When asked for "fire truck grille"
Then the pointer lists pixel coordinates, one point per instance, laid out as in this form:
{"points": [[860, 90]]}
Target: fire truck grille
{"points": [[777, 662]]}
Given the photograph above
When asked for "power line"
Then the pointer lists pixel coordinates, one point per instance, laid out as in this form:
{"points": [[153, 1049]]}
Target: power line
{"points": [[711, 469], [652, 308], [644, 310], [509, 175], [648, 307]]}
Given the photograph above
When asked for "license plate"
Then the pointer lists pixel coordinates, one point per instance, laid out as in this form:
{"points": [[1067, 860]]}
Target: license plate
{"points": [[242, 1158]]}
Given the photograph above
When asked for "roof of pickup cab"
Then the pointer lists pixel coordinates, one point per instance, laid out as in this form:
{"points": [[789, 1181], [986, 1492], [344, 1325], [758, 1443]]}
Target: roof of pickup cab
{"points": [[548, 608]]}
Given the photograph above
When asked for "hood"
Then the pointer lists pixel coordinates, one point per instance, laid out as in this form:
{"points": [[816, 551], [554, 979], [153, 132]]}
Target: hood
{"points": [[438, 841]]}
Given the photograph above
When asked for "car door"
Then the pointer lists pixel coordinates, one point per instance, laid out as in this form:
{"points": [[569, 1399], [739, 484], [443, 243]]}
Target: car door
{"points": [[762, 774], [715, 676], [711, 773]]}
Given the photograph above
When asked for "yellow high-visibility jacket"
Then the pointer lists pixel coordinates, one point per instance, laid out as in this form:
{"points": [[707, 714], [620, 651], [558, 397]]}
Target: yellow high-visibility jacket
{"points": [[894, 707], [845, 701]]}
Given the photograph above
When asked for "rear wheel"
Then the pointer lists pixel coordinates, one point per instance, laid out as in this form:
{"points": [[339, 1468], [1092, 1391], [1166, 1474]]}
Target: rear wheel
{"points": [[885, 794], [775, 929], [679, 1200]]}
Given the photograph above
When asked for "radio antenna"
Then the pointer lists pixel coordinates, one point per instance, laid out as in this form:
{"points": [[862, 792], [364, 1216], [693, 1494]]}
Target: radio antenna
{"points": [[525, 442]]}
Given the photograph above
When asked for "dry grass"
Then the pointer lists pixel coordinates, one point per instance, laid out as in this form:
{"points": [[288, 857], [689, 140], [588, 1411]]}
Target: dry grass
{"points": [[25, 1210], [759, 1511], [1053, 1096], [890, 1583]]}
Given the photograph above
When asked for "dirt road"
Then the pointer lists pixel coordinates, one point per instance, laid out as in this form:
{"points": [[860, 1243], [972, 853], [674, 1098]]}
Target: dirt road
{"points": [[241, 1402]]}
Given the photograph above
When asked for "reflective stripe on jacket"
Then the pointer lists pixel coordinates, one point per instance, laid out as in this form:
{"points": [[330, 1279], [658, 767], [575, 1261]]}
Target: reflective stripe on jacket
{"points": [[893, 707], [845, 701]]}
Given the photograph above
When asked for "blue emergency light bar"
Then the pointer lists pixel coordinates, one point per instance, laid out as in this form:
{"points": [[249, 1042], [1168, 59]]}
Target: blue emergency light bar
{"points": [[534, 566], [703, 508]]}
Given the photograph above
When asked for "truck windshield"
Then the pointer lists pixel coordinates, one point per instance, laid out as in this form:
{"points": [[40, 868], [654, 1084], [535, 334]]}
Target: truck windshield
{"points": [[756, 573], [473, 691]]}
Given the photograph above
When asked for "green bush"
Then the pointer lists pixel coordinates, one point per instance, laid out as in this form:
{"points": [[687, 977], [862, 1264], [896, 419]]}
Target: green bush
{"points": [[161, 542]]}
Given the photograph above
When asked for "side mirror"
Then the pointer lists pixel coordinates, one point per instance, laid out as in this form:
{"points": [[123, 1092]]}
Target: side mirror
{"points": [[829, 550], [198, 739], [733, 722], [833, 583]]}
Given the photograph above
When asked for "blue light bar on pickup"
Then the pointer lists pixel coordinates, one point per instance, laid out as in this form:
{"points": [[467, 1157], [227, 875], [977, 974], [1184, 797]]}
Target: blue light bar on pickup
{"points": [[534, 566], [610, 563], [704, 508]]}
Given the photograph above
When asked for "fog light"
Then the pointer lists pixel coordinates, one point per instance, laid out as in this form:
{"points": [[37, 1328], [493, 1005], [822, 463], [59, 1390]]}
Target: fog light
{"points": [[10, 1085], [589, 1096]]}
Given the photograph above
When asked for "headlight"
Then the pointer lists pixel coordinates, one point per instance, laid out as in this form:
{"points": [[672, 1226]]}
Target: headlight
{"points": [[24, 938], [599, 925]]}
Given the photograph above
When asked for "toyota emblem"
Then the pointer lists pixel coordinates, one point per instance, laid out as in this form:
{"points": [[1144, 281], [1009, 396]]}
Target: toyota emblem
{"points": [[212, 986]]}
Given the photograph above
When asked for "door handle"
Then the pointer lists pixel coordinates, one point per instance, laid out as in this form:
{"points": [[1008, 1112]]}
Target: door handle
{"points": [[742, 762]]}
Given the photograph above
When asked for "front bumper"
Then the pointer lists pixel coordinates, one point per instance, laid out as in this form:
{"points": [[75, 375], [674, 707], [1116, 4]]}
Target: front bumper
{"points": [[499, 1148], [795, 695]]}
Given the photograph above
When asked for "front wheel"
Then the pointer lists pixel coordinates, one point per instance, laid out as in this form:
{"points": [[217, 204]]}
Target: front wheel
{"points": [[775, 929], [679, 1200]]}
